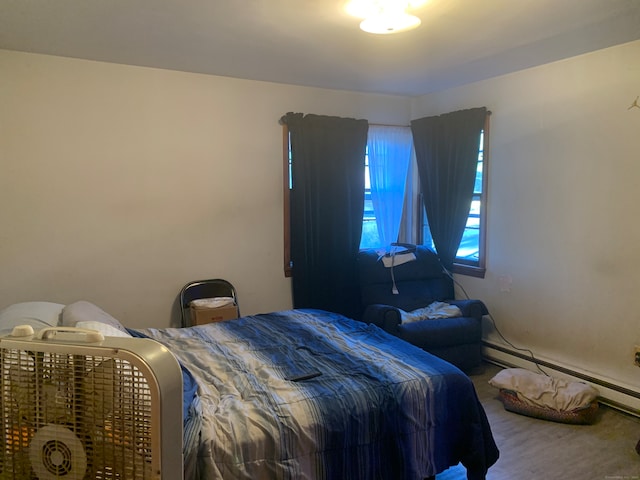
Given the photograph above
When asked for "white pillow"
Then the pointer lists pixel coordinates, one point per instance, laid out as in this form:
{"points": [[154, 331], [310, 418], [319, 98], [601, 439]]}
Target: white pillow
{"points": [[37, 314], [106, 329], [83, 311]]}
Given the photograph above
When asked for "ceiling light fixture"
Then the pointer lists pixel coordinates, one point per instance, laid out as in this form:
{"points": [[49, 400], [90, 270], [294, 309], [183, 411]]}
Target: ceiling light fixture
{"points": [[384, 16]]}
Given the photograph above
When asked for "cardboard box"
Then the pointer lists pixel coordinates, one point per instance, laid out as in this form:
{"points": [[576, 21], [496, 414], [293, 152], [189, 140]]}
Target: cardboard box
{"points": [[202, 315]]}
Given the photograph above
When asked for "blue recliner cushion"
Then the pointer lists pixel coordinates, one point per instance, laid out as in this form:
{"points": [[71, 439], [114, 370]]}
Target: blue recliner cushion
{"points": [[442, 332]]}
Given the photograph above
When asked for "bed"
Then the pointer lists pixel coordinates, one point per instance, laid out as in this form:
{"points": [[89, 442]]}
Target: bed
{"points": [[307, 394]]}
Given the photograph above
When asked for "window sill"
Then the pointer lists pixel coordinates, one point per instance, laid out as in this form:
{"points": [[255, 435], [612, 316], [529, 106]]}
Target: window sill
{"points": [[469, 270]]}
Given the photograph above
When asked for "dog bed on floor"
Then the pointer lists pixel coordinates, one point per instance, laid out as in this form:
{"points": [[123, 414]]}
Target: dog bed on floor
{"points": [[544, 397]]}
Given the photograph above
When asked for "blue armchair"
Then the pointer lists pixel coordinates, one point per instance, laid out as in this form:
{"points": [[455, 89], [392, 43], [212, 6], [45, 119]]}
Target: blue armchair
{"points": [[418, 284]]}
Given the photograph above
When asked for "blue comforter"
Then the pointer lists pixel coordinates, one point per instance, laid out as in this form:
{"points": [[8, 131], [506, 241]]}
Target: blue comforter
{"points": [[307, 394]]}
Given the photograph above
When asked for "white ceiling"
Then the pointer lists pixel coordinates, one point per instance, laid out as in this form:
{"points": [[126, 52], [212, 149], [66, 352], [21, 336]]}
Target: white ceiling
{"points": [[314, 43]]}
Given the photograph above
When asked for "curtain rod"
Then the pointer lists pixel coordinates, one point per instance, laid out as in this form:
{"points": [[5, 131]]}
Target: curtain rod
{"points": [[389, 125]]}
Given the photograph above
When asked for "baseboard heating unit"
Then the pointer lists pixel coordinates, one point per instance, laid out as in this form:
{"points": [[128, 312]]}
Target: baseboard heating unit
{"points": [[620, 397]]}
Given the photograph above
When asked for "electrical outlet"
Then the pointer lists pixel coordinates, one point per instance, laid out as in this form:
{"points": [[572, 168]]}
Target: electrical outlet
{"points": [[636, 357]]}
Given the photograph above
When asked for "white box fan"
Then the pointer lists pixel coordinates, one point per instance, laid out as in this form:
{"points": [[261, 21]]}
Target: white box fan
{"points": [[79, 406]]}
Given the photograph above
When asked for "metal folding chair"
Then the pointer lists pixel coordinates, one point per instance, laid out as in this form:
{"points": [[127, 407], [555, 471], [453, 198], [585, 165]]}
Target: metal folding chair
{"points": [[211, 288]]}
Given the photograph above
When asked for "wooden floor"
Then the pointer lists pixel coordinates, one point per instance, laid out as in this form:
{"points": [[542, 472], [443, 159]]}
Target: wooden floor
{"points": [[532, 449]]}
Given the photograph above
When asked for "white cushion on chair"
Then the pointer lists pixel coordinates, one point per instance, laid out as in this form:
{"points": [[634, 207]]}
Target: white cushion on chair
{"points": [[432, 311]]}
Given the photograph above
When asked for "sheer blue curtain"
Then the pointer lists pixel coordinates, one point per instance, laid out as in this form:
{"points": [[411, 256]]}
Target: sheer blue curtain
{"points": [[389, 150]]}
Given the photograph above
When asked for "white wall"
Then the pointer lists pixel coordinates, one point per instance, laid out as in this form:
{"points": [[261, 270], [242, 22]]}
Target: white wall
{"points": [[564, 177], [119, 184]]}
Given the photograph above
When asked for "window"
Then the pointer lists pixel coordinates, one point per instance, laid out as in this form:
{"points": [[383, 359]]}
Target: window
{"points": [[387, 160], [370, 234], [469, 249], [470, 259], [286, 153]]}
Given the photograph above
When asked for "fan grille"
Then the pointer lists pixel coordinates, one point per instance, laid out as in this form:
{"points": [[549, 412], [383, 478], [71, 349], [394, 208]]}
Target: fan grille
{"points": [[56, 456], [74, 417]]}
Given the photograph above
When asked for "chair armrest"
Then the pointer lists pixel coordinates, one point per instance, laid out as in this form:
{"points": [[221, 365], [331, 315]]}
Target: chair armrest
{"points": [[383, 316], [470, 308]]}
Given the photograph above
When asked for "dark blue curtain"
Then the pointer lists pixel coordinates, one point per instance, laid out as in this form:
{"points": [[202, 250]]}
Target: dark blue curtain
{"points": [[447, 148], [327, 204]]}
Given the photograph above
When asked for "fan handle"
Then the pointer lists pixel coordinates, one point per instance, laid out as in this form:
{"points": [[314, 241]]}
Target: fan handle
{"points": [[79, 335]]}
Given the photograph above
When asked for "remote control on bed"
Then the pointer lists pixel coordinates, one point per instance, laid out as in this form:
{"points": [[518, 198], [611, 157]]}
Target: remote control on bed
{"points": [[302, 376]]}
